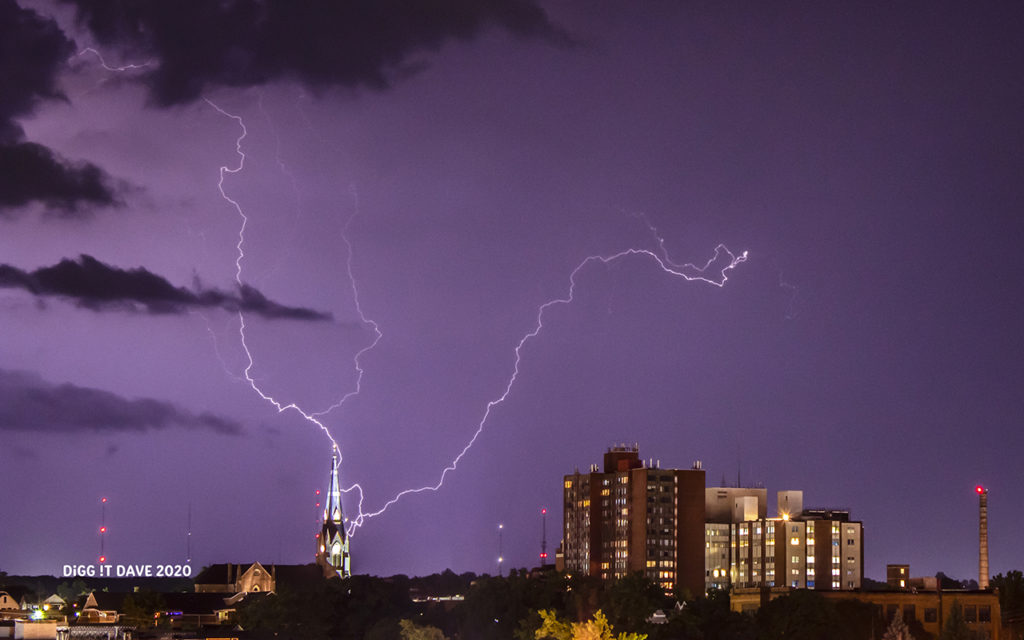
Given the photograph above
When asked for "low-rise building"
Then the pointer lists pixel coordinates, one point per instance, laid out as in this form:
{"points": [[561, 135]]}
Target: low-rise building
{"points": [[930, 608]]}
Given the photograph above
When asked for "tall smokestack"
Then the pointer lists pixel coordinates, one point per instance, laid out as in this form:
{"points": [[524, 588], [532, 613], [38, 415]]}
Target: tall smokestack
{"points": [[982, 536]]}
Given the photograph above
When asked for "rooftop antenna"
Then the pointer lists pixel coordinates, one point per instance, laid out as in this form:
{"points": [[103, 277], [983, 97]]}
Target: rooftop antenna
{"points": [[739, 465]]}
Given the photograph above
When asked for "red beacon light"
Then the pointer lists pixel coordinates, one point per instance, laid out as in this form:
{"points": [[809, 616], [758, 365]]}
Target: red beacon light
{"points": [[103, 529], [543, 512], [979, 489], [103, 559]]}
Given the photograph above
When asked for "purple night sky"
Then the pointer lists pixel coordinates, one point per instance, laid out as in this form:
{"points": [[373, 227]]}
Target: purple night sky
{"points": [[471, 155]]}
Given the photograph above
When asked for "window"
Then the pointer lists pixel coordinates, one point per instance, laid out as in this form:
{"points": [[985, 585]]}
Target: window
{"points": [[794, 541], [931, 614], [984, 613], [909, 613], [971, 613]]}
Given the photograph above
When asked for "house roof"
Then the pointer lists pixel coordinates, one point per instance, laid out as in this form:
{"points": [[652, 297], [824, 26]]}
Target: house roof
{"points": [[290, 575], [298, 575], [193, 603], [106, 601], [213, 574]]}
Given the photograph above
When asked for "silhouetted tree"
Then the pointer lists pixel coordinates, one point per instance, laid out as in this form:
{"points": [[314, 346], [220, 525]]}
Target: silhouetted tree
{"points": [[1011, 601], [897, 629], [630, 601], [955, 627], [801, 615]]}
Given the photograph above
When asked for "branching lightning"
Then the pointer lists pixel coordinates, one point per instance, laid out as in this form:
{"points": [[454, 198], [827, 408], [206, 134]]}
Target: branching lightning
{"points": [[666, 265], [687, 271]]}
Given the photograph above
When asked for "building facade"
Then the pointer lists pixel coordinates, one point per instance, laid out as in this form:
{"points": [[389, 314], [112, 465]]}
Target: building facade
{"points": [[629, 517], [819, 549], [980, 609]]}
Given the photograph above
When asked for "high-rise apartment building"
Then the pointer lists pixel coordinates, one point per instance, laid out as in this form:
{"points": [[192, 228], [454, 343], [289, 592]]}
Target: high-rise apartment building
{"points": [[819, 549], [628, 517]]}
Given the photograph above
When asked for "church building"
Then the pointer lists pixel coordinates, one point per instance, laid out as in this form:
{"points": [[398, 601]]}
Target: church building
{"points": [[332, 542]]}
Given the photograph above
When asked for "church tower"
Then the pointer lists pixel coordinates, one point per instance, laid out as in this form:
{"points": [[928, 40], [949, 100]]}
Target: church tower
{"points": [[332, 543]]}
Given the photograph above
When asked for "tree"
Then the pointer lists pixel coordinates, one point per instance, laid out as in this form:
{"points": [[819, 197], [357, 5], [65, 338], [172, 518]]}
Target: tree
{"points": [[955, 627], [413, 631], [595, 629], [140, 607], [1011, 600], [898, 629], [632, 599], [801, 615]]}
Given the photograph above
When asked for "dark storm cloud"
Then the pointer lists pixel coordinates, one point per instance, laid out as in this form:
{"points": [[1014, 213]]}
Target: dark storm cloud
{"points": [[32, 51], [29, 403], [318, 42], [95, 285]]}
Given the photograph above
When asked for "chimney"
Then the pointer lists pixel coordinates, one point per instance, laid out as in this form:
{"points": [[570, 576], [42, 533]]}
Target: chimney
{"points": [[982, 536]]}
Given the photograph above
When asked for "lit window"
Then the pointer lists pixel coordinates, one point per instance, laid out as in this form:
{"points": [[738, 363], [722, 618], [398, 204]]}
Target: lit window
{"points": [[794, 541]]}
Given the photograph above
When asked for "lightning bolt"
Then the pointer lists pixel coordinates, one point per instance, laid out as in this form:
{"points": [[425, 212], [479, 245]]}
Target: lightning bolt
{"points": [[687, 271], [103, 63], [312, 417]]}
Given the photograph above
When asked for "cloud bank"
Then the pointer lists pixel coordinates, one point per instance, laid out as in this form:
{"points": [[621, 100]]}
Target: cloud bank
{"points": [[29, 403], [32, 52], [98, 286], [321, 43]]}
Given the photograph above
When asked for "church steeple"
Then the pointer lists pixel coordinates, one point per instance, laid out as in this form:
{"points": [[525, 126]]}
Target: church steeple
{"points": [[332, 544]]}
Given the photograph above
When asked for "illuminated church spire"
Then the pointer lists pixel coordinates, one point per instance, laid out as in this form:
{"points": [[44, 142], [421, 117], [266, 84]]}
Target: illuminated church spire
{"points": [[332, 543]]}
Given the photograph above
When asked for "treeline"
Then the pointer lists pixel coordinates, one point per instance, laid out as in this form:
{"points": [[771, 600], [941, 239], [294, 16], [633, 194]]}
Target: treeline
{"points": [[509, 608]]}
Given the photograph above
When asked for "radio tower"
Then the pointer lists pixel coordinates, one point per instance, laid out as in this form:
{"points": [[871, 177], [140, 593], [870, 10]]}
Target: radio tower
{"points": [[188, 537], [543, 537], [103, 530], [982, 536]]}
